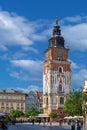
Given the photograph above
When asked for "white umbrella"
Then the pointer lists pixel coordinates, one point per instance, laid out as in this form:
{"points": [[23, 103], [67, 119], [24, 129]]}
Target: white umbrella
{"points": [[2, 114]]}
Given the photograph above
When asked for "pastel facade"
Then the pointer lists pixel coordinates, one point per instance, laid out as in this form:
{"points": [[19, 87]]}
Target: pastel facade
{"points": [[12, 99]]}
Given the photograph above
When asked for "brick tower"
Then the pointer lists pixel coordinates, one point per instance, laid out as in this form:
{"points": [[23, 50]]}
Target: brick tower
{"points": [[56, 74]]}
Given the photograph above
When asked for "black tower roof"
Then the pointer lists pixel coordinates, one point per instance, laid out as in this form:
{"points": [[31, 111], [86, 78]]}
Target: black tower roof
{"points": [[56, 40]]}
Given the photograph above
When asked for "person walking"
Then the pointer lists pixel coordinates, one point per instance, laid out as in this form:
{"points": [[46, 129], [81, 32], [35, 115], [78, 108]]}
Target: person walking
{"points": [[50, 122], [78, 126], [73, 125], [43, 122], [33, 121]]}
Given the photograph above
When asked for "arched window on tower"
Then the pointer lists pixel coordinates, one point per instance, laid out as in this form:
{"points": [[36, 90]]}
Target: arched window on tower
{"points": [[60, 70], [61, 100], [47, 101], [60, 88]]}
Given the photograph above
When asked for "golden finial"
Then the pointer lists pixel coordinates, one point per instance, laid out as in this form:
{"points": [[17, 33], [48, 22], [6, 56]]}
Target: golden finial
{"points": [[56, 20]]}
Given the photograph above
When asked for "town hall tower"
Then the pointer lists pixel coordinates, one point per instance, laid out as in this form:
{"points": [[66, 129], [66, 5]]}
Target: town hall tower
{"points": [[56, 73]]}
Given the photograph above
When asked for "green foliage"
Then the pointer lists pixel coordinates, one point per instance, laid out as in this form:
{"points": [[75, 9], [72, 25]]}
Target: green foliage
{"points": [[26, 115], [73, 104], [84, 108], [53, 115], [41, 111], [84, 94], [15, 113], [32, 112]]}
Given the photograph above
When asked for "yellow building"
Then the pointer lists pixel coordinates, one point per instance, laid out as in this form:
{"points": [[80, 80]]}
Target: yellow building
{"points": [[12, 99]]}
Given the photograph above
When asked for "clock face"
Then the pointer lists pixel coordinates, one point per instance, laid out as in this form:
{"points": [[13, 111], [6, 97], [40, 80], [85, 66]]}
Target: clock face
{"points": [[59, 53]]}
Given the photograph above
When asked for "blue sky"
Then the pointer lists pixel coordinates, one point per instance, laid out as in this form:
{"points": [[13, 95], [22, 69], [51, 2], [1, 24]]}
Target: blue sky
{"points": [[25, 28]]}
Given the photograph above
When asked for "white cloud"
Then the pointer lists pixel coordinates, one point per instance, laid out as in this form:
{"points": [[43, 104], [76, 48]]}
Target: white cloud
{"points": [[34, 88], [3, 48], [74, 19], [27, 48], [75, 34], [74, 65], [28, 70], [27, 64], [16, 30], [79, 77], [29, 88]]}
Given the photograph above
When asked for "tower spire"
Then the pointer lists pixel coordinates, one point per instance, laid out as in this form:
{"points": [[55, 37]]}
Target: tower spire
{"points": [[56, 40], [56, 20]]}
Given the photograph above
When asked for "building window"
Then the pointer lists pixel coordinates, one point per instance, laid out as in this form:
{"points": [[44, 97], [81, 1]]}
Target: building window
{"points": [[60, 88], [7, 104], [61, 100], [21, 98], [22, 104], [2, 97], [44, 100], [18, 98], [11, 97], [11, 104], [17, 104], [59, 58], [60, 70], [6, 97], [2, 103], [47, 101]]}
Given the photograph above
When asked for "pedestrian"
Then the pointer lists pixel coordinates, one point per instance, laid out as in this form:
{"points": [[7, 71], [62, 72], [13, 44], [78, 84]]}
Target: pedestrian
{"points": [[78, 126], [43, 122], [39, 120], [60, 122], [33, 121], [50, 122], [73, 125]]}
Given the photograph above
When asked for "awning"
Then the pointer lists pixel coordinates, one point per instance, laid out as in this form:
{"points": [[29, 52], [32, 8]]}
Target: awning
{"points": [[43, 115], [73, 117]]}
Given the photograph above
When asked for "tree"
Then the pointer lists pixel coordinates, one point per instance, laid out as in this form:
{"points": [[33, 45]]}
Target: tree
{"points": [[32, 112], [73, 104], [41, 111], [15, 113], [53, 115]]}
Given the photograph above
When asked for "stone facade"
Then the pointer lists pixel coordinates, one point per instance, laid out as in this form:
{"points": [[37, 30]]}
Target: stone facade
{"points": [[84, 87], [32, 100], [40, 99], [12, 99], [56, 74]]}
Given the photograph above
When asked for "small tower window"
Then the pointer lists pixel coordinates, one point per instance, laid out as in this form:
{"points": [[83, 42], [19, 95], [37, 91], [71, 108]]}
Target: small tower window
{"points": [[61, 100], [60, 88], [47, 101], [60, 70], [59, 58]]}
